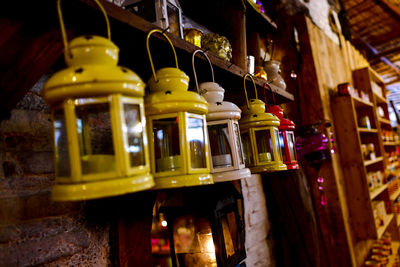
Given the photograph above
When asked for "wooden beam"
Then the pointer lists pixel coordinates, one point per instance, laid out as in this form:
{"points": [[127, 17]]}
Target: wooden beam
{"points": [[387, 52], [390, 8], [135, 213], [30, 44], [372, 49], [384, 38], [394, 81]]}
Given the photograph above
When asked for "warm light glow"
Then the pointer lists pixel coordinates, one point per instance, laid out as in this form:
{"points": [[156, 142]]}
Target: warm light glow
{"points": [[210, 244], [210, 248], [164, 223]]}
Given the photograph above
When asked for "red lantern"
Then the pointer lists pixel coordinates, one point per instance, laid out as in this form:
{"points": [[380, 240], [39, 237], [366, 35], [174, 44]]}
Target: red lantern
{"points": [[286, 138]]}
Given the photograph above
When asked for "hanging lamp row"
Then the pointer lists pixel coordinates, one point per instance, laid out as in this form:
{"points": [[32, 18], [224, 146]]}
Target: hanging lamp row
{"points": [[110, 139]]}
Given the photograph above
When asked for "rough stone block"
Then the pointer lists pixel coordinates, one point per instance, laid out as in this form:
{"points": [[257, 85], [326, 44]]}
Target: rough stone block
{"points": [[36, 162], [16, 209]]}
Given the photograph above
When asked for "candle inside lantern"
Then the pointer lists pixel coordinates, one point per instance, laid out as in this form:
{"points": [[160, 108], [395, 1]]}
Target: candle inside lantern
{"points": [[193, 242]]}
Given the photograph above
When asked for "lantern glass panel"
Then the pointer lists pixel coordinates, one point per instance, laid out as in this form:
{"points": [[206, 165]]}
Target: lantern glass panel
{"points": [[166, 144], [220, 147], [290, 140], [231, 234], [134, 128], [278, 144], [61, 144], [95, 138], [173, 19], [193, 241], [282, 143], [238, 142], [196, 139], [248, 155], [264, 145]]}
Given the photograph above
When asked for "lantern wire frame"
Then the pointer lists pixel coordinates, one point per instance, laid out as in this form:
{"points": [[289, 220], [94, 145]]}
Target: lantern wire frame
{"points": [[86, 174], [255, 122], [226, 115], [184, 106]]}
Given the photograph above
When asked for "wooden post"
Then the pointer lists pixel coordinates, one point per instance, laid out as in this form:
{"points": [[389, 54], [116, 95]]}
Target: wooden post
{"points": [[237, 35], [135, 213], [297, 237]]}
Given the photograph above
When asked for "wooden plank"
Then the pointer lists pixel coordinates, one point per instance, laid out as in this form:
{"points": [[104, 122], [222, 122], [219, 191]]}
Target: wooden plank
{"points": [[366, 130], [358, 102], [28, 47], [395, 195], [380, 99], [395, 253], [230, 73], [373, 161], [382, 229], [297, 240], [391, 143], [135, 213], [385, 121], [334, 219], [363, 225], [378, 191]]}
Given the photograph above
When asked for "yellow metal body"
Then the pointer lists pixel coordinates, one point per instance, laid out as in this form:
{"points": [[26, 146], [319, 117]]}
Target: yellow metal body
{"points": [[169, 98], [93, 78], [256, 119]]}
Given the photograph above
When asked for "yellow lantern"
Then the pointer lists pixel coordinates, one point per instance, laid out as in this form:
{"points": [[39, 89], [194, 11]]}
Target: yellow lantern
{"points": [[99, 125], [260, 136], [227, 161], [176, 128]]}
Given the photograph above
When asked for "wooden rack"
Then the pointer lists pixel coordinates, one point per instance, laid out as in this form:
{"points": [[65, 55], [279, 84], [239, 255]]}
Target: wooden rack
{"points": [[128, 30], [347, 113]]}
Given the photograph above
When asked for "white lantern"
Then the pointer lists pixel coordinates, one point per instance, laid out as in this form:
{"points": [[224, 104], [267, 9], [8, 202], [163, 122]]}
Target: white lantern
{"points": [[227, 160]]}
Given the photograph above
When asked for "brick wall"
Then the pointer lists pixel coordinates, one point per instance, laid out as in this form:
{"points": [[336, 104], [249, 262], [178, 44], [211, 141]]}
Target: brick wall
{"points": [[33, 229], [258, 238]]}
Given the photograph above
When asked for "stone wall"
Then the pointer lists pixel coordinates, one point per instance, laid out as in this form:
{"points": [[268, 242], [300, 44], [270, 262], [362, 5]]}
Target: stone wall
{"points": [[33, 229], [36, 231]]}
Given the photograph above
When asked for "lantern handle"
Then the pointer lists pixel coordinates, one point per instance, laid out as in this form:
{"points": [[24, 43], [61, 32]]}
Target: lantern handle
{"points": [[194, 69], [245, 90], [148, 50], [265, 94], [62, 25]]}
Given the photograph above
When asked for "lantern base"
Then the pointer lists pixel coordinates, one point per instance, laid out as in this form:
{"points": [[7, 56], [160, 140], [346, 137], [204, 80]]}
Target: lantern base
{"points": [[99, 189], [292, 166], [183, 180], [231, 175], [268, 168]]}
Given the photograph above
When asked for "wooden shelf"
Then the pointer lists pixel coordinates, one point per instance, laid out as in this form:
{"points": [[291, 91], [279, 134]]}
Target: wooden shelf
{"points": [[381, 229], [383, 120], [226, 73], [395, 252], [377, 191], [391, 143], [395, 195], [398, 219], [365, 130], [380, 99], [262, 19], [373, 161], [358, 102]]}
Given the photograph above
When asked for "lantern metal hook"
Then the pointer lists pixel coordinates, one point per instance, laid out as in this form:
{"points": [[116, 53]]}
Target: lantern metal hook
{"points": [[62, 25], [148, 50], [194, 69], [245, 90]]}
